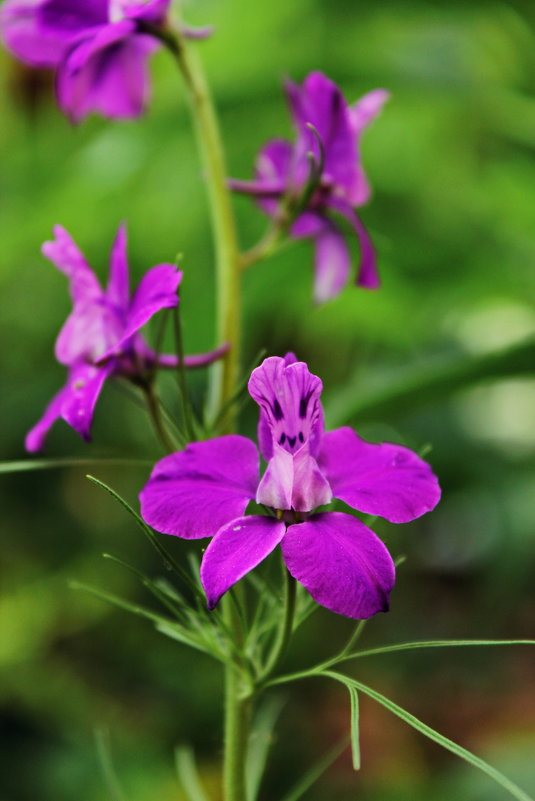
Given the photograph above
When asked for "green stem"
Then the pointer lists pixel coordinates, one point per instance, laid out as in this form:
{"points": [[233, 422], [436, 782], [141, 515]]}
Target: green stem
{"points": [[181, 377], [228, 313], [434, 382], [153, 408], [237, 714], [286, 628]]}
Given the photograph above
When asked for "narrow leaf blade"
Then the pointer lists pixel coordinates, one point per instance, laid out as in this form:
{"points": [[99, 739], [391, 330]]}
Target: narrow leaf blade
{"points": [[188, 774], [155, 542], [438, 738], [355, 731], [312, 775], [259, 744]]}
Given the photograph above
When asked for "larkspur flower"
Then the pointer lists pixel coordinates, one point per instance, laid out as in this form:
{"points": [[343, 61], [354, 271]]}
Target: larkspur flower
{"points": [[283, 172], [204, 490], [101, 338], [100, 49]]}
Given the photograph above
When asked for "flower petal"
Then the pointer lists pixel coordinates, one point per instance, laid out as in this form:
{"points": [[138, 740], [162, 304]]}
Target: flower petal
{"points": [[342, 563], [332, 263], [91, 330], [386, 480], [153, 11], [106, 73], [71, 18], [293, 481], [361, 114], [289, 397], [24, 38], [118, 291], [367, 276], [236, 549], [193, 493], [85, 384], [366, 109], [35, 438], [156, 290], [320, 102], [64, 253]]}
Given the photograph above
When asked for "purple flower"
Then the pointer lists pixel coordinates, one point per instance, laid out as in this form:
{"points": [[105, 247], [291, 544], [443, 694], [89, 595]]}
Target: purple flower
{"points": [[101, 338], [283, 171], [204, 490], [99, 48]]}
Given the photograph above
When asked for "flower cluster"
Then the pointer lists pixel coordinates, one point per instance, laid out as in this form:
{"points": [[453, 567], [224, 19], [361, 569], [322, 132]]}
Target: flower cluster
{"points": [[204, 490], [101, 338], [283, 173], [99, 48], [310, 188]]}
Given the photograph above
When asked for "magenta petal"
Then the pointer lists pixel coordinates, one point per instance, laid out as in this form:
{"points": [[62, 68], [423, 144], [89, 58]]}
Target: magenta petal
{"points": [[118, 291], [264, 435], [106, 73], [386, 480], [156, 290], [64, 253], [85, 384], [35, 438], [367, 276], [153, 11], [366, 109], [236, 549], [310, 223], [342, 563], [333, 263], [361, 114], [193, 493], [91, 330], [71, 18], [24, 38], [273, 163], [320, 102], [289, 399]]}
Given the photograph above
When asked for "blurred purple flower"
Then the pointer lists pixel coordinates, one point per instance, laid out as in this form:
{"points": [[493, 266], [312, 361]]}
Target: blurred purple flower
{"points": [[100, 49], [204, 490], [283, 170], [101, 338]]}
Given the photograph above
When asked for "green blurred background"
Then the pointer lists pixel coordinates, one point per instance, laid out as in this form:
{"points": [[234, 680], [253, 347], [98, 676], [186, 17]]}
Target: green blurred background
{"points": [[453, 216]]}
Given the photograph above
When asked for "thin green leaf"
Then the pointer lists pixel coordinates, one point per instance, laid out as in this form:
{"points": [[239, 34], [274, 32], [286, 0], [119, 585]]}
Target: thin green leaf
{"points": [[51, 464], [410, 646], [174, 604], [317, 769], [260, 741], [136, 609], [426, 730], [102, 741], [168, 560], [177, 632], [426, 384], [355, 731], [188, 774]]}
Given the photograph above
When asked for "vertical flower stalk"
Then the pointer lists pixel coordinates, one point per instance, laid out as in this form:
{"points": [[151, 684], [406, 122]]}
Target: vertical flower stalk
{"points": [[225, 374], [228, 305]]}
